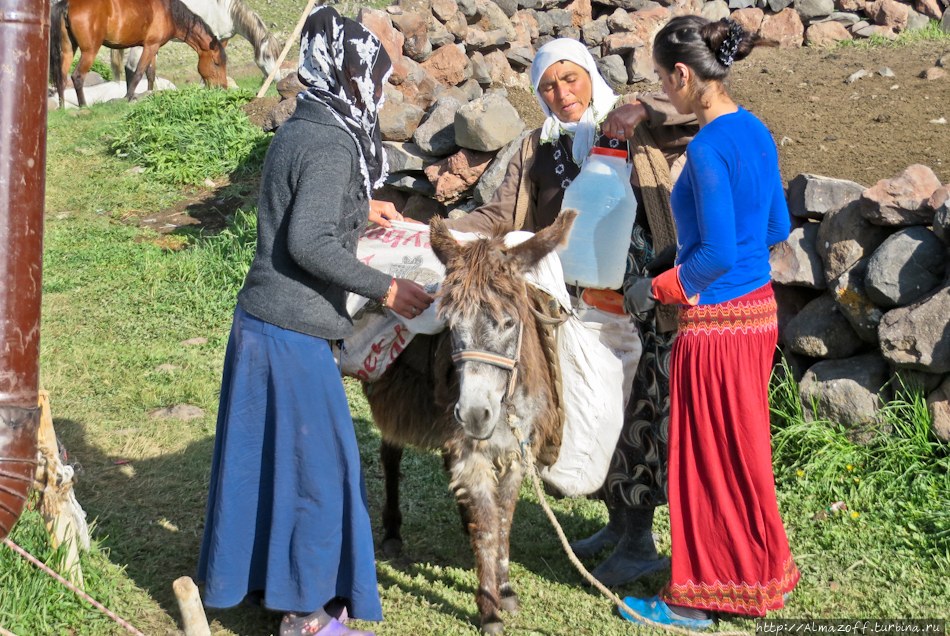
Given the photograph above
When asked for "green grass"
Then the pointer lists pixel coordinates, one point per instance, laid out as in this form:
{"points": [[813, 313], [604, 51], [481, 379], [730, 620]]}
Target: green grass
{"points": [[931, 32], [885, 554], [193, 134]]}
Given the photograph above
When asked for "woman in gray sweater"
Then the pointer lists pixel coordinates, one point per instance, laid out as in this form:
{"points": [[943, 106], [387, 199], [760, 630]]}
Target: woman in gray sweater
{"points": [[287, 522]]}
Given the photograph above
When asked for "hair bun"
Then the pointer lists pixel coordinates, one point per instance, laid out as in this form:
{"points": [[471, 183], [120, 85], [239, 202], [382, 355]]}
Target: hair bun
{"points": [[726, 54]]}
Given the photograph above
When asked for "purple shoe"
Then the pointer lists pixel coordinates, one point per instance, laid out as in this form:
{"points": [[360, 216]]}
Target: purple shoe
{"points": [[336, 628]]}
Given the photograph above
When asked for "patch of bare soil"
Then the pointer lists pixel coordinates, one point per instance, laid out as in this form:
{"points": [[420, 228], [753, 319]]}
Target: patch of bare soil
{"points": [[207, 209], [258, 108], [869, 130]]}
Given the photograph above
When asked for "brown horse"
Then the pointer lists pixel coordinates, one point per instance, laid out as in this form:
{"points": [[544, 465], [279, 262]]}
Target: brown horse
{"points": [[119, 24], [464, 390]]}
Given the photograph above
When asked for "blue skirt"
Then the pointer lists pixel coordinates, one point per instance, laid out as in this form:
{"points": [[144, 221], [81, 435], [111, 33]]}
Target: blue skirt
{"points": [[287, 511]]}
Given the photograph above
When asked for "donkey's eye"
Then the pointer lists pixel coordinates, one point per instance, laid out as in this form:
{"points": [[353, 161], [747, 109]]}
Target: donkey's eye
{"points": [[508, 324]]}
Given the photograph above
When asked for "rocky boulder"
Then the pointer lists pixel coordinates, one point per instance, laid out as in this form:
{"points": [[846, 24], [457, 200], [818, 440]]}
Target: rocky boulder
{"points": [[811, 196], [436, 134], [454, 175], [845, 237], [487, 123], [901, 200], [938, 403], [847, 391], [785, 27], [820, 330], [918, 336], [906, 266], [855, 304], [795, 261]]}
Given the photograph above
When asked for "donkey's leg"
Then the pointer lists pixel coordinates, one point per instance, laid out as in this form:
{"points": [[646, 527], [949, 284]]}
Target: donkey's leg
{"points": [[473, 481], [509, 484], [464, 514], [391, 457]]}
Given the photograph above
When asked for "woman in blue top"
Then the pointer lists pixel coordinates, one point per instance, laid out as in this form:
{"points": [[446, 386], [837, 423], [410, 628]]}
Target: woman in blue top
{"points": [[729, 548]]}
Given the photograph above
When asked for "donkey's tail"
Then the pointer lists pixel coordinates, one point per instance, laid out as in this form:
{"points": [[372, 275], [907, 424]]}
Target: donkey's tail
{"points": [[57, 24]]}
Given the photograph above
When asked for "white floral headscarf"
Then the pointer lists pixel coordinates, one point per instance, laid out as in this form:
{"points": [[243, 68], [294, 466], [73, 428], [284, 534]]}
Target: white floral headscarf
{"points": [[602, 100], [344, 66]]}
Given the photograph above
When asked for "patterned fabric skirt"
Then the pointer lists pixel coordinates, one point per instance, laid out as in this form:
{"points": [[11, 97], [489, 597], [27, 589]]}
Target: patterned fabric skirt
{"points": [[729, 548], [637, 475]]}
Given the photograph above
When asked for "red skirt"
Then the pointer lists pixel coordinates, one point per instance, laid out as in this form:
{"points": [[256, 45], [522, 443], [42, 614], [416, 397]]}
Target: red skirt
{"points": [[729, 548]]}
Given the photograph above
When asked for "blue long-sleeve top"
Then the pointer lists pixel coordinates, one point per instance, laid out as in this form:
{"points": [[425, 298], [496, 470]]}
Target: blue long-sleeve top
{"points": [[729, 207]]}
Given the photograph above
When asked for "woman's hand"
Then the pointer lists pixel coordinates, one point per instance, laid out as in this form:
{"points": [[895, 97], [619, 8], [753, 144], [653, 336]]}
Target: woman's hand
{"points": [[407, 298], [382, 212], [622, 121]]}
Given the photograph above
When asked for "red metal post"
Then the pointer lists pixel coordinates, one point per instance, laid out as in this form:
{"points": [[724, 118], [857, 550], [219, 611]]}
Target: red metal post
{"points": [[24, 69]]}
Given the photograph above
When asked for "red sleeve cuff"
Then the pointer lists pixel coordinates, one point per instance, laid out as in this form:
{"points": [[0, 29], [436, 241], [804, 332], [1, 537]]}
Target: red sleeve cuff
{"points": [[668, 289]]}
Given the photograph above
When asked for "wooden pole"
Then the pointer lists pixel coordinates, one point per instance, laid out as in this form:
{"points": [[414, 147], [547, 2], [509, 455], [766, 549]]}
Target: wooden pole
{"points": [[290, 41], [192, 611], [65, 518]]}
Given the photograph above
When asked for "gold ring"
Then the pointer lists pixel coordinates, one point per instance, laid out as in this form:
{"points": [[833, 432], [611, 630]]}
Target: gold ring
{"points": [[414, 311]]}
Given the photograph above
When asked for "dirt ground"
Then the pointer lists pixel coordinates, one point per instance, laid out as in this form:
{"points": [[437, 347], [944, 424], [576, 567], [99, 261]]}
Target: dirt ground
{"points": [[866, 131], [869, 130]]}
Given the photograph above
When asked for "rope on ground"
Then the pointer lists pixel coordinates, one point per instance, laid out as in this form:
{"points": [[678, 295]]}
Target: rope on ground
{"points": [[532, 470], [99, 606]]}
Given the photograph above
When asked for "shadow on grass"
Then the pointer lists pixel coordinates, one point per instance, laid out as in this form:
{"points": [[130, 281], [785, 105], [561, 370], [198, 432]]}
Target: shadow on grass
{"points": [[149, 515]]}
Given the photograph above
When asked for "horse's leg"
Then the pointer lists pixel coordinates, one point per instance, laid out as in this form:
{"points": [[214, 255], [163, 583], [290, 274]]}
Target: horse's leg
{"points": [[391, 457], [148, 54], [473, 481], [86, 59], [150, 74], [509, 483]]}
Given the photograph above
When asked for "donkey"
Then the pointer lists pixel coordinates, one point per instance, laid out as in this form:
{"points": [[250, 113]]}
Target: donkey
{"points": [[464, 390]]}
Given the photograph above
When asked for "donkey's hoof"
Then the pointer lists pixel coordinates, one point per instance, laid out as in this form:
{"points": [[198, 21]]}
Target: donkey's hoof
{"points": [[392, 548], [493, 627], [510, 604]]}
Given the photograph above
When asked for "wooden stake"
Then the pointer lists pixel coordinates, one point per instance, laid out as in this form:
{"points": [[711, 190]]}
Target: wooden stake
{"points": [[65, 518], [192, 611], [290, 41]]}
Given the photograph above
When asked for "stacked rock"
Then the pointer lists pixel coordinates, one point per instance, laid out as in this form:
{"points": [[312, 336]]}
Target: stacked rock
{"points": [[864, 294], [457, 57]]}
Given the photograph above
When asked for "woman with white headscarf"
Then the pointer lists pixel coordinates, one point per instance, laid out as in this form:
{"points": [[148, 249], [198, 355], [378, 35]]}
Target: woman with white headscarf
{"points": [[582, 112], [287, 522]]}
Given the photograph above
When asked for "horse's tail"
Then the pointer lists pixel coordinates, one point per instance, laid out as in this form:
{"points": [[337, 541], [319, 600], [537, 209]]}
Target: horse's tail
{"points": [[57, 23], [116, 63], [250, 25]]}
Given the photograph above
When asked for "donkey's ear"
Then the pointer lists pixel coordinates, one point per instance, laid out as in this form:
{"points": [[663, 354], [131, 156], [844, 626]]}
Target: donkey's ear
{"points": [[544, 242], [444, 245]]}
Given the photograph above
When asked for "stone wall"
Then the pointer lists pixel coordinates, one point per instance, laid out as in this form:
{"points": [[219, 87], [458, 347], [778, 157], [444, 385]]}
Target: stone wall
{"points": [[864, 293]]}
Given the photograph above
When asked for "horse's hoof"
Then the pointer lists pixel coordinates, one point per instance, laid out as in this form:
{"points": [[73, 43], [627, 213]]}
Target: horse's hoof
{"points": [[510, 604], [494, 627], [392, 548]]}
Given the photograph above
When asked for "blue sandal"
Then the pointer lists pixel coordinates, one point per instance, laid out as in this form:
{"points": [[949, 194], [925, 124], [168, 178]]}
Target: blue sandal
{"points": [[659, 612]]}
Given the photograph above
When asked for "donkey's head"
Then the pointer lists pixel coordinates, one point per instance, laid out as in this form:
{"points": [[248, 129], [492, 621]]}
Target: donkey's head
{"points": [[483, 300]]}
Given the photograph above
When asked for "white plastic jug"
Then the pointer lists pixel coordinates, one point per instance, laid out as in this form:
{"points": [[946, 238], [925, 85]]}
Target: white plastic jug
{"points": [[596, 251]]}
